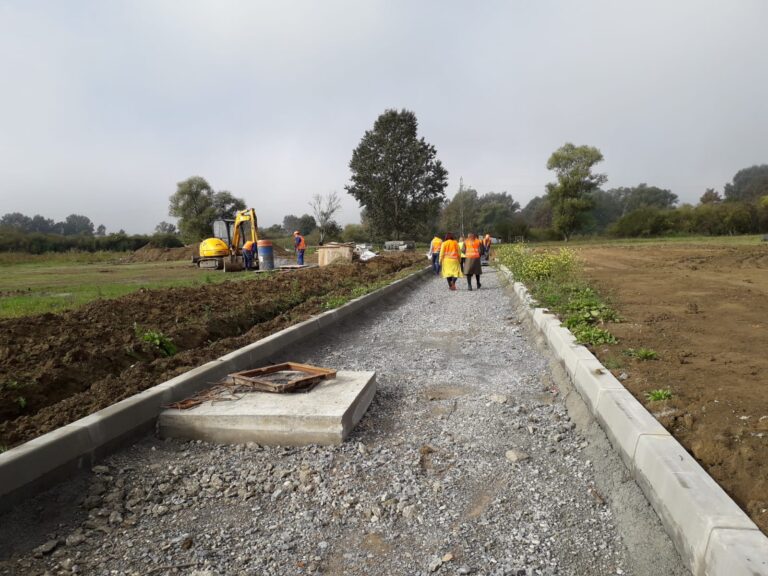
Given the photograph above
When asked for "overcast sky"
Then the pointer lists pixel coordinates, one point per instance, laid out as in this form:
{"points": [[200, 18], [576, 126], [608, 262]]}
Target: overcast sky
{"points": [[105, 106]]}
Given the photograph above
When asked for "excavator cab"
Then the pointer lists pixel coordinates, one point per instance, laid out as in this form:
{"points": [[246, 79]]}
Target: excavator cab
{"points": [[224, 250]]}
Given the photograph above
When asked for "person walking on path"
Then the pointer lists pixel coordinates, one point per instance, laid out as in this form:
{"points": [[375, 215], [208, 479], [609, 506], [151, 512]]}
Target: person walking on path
{"points": [[461, 250], [248, 248], [487, 247], [472, 265], [434, 251], [449, 260], [301, 246]]}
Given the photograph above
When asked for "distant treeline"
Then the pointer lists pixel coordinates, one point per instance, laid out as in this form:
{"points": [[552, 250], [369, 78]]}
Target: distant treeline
{"points": [[37, 234]]}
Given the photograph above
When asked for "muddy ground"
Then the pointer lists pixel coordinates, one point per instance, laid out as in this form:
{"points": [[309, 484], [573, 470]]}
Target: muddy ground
{"points": [[704, 310], [56, 368]]}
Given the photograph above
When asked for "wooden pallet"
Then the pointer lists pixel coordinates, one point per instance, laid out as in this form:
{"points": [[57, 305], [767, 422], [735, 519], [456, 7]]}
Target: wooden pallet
{"points": [[299, 377]]}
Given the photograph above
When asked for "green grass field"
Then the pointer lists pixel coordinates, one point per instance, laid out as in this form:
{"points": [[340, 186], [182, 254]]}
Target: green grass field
{"points": [[51, 283], [749, 240]]}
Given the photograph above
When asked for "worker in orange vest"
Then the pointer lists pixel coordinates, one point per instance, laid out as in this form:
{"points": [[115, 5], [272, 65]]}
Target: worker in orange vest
{"points": [[487, 247], [434, 252], [301, 246], [248, 249], [449, 260], [472, 264]]}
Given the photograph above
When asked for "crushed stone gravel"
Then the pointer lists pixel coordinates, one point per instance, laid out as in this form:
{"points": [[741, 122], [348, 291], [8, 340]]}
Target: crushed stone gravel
{"points": [[467, 462]]}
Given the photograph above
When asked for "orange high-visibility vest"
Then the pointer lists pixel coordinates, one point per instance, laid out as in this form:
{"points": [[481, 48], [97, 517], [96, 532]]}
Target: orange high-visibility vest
{"points": [[301, 245], [451, 250], [487, 240], [248, 245], [436, 243], [472, 248]]}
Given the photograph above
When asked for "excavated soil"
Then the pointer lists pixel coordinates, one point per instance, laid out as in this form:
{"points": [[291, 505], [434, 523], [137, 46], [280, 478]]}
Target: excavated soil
{"points": [[704, 310], [56, 368]]}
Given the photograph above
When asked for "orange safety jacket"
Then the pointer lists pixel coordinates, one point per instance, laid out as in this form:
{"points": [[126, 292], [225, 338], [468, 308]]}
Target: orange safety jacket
{"points": [[248, 245], [302, 245], [487, 240], [436, 243], [450, 250], [472, 248]]}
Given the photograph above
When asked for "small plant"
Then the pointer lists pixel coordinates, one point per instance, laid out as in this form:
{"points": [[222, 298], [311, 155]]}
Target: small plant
{"points": [[12, 385], [587, 334], [158, 340], [22, 402], [658, 395], [613, 363], [641, 353], [334, 302]]}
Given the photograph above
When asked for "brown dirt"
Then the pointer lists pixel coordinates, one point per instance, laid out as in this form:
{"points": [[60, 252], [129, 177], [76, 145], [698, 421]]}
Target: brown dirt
{"points": [[150, 253], [66, 366], [704, 310]]}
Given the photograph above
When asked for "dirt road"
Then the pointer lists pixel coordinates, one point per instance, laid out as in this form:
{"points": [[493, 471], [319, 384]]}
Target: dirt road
{"points": [[466, 462], [704, 309]]}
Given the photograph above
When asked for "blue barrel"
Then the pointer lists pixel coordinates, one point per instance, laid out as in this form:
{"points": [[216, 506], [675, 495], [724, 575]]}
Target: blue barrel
{"points": [[266, 255]]}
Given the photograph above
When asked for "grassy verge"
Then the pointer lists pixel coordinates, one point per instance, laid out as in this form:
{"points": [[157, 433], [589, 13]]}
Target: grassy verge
{"points": [[554, 279], [55, 284]]}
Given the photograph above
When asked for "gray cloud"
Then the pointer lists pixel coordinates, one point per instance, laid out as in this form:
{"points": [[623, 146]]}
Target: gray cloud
{"points": [[104, 106]]}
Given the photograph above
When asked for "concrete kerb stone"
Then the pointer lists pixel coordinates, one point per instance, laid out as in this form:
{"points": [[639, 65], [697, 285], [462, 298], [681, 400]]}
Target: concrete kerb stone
{"points": [[711, 533], [39, 463], [691, 504], [733, 552]]}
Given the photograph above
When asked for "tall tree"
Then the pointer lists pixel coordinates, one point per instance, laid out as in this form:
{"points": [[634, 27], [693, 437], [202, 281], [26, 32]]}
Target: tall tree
{"points": [[538, 212], [165, 228], [749, 184], [101, 230], [76, 224], [570, 196], [460, 213], [16, 220], [306, 224], [710, 196], [396, 175], [644, 196], [196, 205], [324, 207]]}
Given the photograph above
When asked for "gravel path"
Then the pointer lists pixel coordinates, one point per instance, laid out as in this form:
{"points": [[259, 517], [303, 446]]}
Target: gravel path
{"points": [[468, 462]]}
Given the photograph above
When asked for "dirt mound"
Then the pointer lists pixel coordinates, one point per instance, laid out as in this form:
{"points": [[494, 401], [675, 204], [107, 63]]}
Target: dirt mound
{"points": [[55, 369], [703, 309], [150, 253]]}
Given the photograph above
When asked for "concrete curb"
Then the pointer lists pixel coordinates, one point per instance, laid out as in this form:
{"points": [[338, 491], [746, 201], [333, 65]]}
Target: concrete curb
{"points": [[711, 533], [38, 464]]}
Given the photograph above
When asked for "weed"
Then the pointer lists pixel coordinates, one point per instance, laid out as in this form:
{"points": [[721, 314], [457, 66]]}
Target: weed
{"points": [[156, 339], [641, 353], [658, 395], [3, 448], [613, 363], [332, 302], [22, 402], [587, 334], [12, 385]]}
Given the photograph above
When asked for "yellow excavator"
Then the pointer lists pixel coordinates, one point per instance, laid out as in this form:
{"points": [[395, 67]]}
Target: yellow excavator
{"points": [[225, 250]]}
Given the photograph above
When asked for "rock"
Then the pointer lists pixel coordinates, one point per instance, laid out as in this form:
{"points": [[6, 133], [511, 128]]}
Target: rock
{"points": [[74, 539], [409, 511], [464, 570], [447, 557], [516, 455], [100, 470], [47, 547], [623, 376], [435, 564], [498, 398]]}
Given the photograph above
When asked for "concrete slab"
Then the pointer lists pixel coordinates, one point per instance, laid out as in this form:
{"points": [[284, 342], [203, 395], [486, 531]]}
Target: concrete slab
{"points": [[325, 415]]}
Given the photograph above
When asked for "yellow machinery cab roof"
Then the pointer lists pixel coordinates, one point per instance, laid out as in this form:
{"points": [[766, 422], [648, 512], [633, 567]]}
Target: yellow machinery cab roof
{"points": [[213, 248]]}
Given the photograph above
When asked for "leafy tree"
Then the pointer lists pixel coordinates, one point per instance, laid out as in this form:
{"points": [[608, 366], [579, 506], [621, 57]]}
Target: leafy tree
{"points": [[291, 223], [355, 233], [497, 215], [196, 205], [274, 231], [538, 212], [226, 206], [710, 196], [644, 196], [16, 220], [607, 207], [41, 224], [396, 176], [324, 207], [570, 196], [165, 228], [101, 230], [460, 213], [749, 184], [306, 224], [76, 224]]}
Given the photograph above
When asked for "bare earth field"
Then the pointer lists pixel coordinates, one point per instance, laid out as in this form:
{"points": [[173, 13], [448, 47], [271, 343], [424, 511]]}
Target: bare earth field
{"points": [[703, 307], [56, 368]]}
